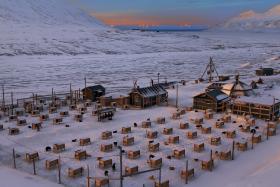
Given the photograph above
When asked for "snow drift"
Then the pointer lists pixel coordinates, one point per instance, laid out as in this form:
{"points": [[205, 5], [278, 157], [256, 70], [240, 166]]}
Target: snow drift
{"points": [[250, 20]]}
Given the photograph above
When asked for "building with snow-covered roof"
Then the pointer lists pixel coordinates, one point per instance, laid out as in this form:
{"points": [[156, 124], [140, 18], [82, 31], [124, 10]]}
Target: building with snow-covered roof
{"points": [[213, 99], [237, 88]]}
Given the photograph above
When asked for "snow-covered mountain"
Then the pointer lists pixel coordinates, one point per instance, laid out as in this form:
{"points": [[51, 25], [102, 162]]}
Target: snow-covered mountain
{"points": [[250, 20]]}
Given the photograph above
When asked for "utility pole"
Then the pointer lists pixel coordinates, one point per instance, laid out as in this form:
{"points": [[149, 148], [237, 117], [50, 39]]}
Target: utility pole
{"points": [[70, 93], [232, 153], [59, 170], [14, 158], [85, 82], [177, 94], [3, 98], [187, 175], [121, 167], [88, 178], [12, 99]]}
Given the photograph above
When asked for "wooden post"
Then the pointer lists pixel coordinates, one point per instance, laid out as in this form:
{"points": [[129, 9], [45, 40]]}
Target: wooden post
{"points": [[177, 93], [52, 94], [159, 176], [211, 158], [3, 98], [232, 152], [34, 167], [70, 93], [12, 99], [267, 131], [187, 172], [85, 83], [14, 158], [88, 178], [59, 170], [253, 140], [121, 167], [158, 77]]}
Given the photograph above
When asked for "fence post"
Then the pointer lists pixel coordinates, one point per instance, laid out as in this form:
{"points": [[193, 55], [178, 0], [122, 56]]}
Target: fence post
{"points": [[14, 158], [88, 178], [121, 167], [267, 129], [232, 153], [59, 170], [187, 175], [34, 167], [159, 176]]}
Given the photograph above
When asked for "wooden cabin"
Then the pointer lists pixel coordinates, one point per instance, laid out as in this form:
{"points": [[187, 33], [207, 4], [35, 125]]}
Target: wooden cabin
{"points": [[103, 164], [167, 131], [162, 184], [215, 141], [264, 71], [231, 134], [78, 117], [115, 100], [225, 155], [21, 122], [13, 131], [127, 141], [80, 155], [106, 135], [205, 130], [58, 148], [260, 107], [257, 138], [93, 93], [73, 173], [184, 125], [51, 164], [146, 124], [192, 134], [36, 126], [84, 141], [198, 147], [32, 156], [35, 113], [153, 147], [179, 153], [57, 121], [106, 147], [173, 139], [131, 170], [212, 99], [219, 124], [126, 130], [44, 117], [161, 120], [133, 154], [99, 182], [207, 165], [152, 134], [64, 113], [188, 174], [155, 163], [148, 96]]}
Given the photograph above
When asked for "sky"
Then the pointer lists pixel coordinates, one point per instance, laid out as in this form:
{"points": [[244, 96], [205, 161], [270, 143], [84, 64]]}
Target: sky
{"points": [[171, 12]]}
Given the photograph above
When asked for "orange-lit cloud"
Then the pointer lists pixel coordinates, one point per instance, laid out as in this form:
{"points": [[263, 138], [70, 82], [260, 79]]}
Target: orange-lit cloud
{"points": [[145, 20]]}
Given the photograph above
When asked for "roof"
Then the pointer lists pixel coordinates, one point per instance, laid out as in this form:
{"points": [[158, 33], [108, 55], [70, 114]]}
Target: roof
{"points": [[151, 91], [262, 100], [266, 69], [215, 94], [97, 87], [237, 86]]}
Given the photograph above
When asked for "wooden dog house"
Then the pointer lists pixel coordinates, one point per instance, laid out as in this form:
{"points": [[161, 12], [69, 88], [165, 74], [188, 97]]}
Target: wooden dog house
{"points": [[13, 118], [78, 117], [84, 141], [215, 141], [99, 182], [161, 120], [52, 110], [178, 154], [192, 134], [198, 147], [80, 155], [173, 139], [188, 174], [21, 122], [152, 134], [57, 121], [131, 170], [36, 126], [242, 146], [219, 124], [78, 172], [32, 156], [184, 125], [209, 115], [146, 124], [153, 147], [35, 113], [133, 154], [257, 138], [106, 147], [103, 164], [126, 130], [167, 131], [58, 148], [106, 135], [64, 113], [206, 130], [225, 155], [13, 131], [176, 115], [155, 163], [231, 134], [207, 165], [44, 117], [163, 184], [127, 141], [51, 164]]}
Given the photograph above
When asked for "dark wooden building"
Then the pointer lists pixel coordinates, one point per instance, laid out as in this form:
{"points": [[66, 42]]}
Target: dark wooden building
{"points": [[148, 96], [93, 92], [212, 99], [265, 72]]}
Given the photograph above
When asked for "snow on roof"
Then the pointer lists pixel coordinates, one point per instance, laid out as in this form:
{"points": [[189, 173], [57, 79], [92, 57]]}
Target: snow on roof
{"points": [[263, 100], [151, 91]]}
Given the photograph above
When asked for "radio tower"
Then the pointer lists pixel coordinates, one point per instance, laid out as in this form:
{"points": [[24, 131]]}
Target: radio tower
{"points": [[210, 70]]}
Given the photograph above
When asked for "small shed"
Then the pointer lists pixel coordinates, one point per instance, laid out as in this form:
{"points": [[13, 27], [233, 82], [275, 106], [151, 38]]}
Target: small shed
{"points": [[264, 71], [80, 154], [106, 135], [131, 170], [131, 154], [106, 147], [126, 130], [184, 125], [198, 147], [179, 153], [78, 172], [153, 147], [192, 134], [93, 92], [148, 96], [167, 131], [13, 131], [85, 141], [152, 134], [173, 139], [127, 141], [58, 148], [51, 164], [155, 163], [32, 156], [103, 164]]}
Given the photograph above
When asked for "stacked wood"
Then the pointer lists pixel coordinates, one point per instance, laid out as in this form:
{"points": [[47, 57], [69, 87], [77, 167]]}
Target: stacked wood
{"points": [[206, 130], [192, 134], [242, 146], [78, 117], [178, 154], [13, 131], [161, 120], [167, 131], [176, 115], [51, 164], [78, 172], [106, 135], [52, 110], [133, 154], [153, 147], [131, 170], [126, 130], [163, 184], [127, 141], [226, 118], [152, 134], [85, 141], [155, 163], [21, 122], [106, 147], [198, 147], [257, 138], [219, 124], [64, 113], [103, 164], [35, 113], [57, 121], [146, 124], [44, 117], [58, 148], [198, 121], [188, 174], [225, 155], [209, 115], [231, 134], [215, 141], [13, 118], [184, 125], [99, 182], [32, 156], [80, 154], [173, 139], [207, 165], [36, 126]]}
